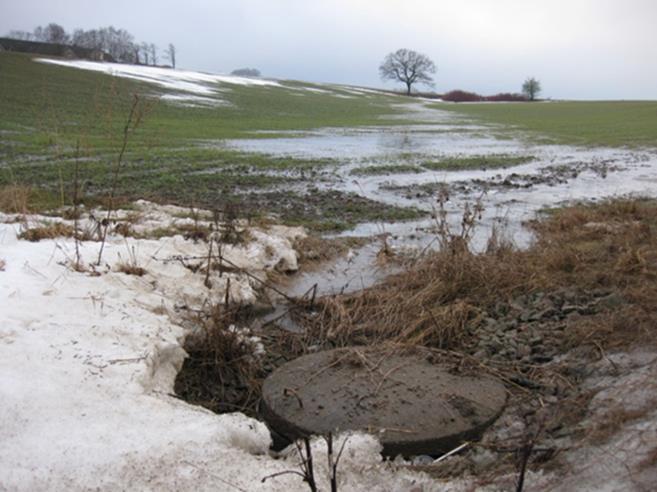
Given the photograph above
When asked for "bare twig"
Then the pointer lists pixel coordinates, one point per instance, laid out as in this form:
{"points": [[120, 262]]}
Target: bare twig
{"points": [[293, 392], [450, 453], [76, 187], [207, 273], [132, 116]]}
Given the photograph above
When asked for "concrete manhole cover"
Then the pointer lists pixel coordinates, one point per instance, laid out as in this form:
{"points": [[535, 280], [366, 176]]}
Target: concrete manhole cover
{"points": [[415, 406]]}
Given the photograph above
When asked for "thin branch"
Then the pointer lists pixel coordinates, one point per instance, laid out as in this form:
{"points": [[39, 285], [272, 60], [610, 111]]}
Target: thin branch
{"points": [[117, 170]]}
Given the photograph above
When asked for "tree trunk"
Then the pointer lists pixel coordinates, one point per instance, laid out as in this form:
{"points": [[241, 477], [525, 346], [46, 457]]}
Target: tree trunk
{"points": [[408, 88]]}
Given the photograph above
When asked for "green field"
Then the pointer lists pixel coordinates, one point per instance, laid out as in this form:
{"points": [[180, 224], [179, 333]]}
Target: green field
{"points": [[597, 123], [54, 116], [57, 119], [40, 98]]}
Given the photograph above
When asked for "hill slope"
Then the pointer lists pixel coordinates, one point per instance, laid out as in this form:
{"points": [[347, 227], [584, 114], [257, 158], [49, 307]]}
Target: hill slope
{"points": [[62, 118]]}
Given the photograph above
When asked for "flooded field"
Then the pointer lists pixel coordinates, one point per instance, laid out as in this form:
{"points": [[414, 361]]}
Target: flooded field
{"points": [[411, 175]]}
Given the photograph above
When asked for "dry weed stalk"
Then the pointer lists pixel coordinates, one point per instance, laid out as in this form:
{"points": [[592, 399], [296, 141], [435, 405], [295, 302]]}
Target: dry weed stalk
{"points": [[137, 112]]}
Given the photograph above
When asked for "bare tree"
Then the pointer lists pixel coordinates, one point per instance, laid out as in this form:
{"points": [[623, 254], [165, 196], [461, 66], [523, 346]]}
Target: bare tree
{"points": [[38, 34], [153, 49], [145, 52], [171, 54], [52, 33], [531, 88], [409, 67]]}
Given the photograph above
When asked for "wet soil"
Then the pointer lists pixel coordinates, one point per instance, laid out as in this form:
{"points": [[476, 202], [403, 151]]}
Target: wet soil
{"points": [[327, 210]]}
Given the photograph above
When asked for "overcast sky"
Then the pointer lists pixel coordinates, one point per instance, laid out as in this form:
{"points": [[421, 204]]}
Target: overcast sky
{"points": [[580, 49]]}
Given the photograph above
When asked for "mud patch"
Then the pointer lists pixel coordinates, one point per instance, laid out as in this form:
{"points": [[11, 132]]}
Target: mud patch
{"points": [[328, 210]]}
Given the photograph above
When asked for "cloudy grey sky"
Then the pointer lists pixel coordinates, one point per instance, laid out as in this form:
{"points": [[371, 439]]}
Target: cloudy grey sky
{"points": [[580, 49]]}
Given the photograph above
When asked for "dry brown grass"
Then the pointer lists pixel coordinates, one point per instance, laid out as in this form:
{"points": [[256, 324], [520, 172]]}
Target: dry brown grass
{"points": [[47, 231], [131, 269], [615, 418], [440, 301], [130, 265], [14, 199], [221, 373]]}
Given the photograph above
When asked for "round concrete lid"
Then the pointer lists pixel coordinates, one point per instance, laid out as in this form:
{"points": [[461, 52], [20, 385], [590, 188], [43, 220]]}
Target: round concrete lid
{"points": [[414, 405]]}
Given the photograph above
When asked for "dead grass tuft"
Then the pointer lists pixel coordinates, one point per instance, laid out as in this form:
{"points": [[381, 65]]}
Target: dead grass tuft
{"points": [[616, 418], [130, 269], [130, 266], [49, 231], [14, 199], [430, 304]]}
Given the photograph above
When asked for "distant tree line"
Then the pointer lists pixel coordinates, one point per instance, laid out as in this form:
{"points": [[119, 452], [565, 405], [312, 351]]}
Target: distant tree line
{"points": [[465, 96], [118, 43], [246, 72]]}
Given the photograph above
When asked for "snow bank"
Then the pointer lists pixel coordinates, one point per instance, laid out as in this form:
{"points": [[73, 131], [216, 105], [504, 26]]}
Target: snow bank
{"points": [[87, 367]]}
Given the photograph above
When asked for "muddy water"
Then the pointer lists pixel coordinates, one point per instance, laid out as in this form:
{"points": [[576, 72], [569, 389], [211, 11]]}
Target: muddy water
{"points": [[557, 175]]}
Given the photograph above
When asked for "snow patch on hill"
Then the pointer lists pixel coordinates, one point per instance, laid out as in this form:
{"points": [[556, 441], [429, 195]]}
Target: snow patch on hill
{"points": [[183, 82]]}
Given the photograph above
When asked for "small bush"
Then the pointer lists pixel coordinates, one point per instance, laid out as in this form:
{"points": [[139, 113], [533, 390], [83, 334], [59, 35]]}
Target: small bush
{"points": [[462, 96]]}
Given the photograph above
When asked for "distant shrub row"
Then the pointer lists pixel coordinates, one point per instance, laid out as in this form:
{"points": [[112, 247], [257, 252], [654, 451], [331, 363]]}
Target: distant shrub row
{"points": [[464, 96]]}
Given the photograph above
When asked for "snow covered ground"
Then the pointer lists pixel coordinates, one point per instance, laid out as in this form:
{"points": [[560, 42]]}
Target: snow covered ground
{"points": [[87, 367]]}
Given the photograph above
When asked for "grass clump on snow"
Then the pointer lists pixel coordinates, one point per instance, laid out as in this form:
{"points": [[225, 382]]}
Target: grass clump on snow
{"points": [[46, 231]]}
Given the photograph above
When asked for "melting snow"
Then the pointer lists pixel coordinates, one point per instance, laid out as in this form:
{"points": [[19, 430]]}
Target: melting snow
{"points": [[186, 81]]}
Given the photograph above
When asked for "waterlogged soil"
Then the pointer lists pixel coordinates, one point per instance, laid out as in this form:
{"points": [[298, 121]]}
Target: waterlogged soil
{"points": [[401, 201], [554, 175], [327, 209]]}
